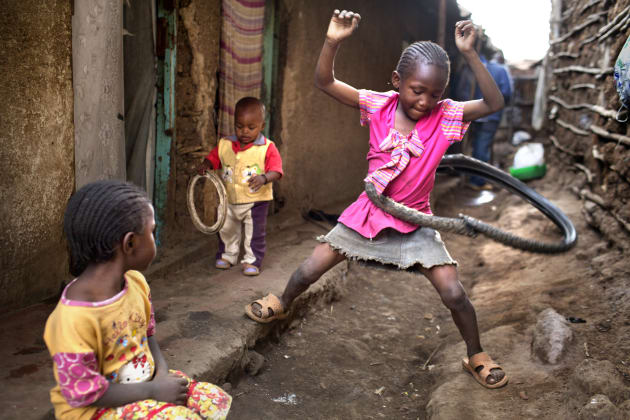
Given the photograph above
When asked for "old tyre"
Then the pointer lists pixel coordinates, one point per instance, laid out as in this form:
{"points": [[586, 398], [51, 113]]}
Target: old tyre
{"points": [[467, 225]]}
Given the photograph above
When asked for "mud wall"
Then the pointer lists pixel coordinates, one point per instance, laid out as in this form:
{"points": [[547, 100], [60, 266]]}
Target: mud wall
{"points": [[196, 84], [37, 153], [322, 144], [589, 146]]}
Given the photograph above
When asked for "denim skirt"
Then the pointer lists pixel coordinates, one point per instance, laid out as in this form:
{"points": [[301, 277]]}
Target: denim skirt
{"points": [[423, 246]]}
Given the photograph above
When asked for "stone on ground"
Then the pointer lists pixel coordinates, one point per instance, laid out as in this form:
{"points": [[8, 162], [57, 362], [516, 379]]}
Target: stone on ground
{"points": [[601, 377], [551, 336], [253, 362], [599, 407], [624, 409]]}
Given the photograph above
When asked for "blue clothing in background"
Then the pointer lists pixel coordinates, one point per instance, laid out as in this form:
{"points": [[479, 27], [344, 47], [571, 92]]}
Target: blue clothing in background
{"points": [[502, 79], [483, 135], [482, 130]]}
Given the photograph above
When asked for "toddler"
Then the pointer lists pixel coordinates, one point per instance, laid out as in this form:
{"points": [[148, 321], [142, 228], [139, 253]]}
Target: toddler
{"points": [[249, 163]]}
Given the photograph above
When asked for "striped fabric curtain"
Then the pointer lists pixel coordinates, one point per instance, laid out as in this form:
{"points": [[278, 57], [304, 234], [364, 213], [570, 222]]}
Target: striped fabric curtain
{"points": [[241, 57]]}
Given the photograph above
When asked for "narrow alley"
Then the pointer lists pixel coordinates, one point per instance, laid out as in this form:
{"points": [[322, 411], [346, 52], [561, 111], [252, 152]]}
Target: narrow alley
{"points": [[292, 107]]}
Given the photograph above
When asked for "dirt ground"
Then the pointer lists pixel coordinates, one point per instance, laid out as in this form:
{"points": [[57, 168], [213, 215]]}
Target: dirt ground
{"points": [[389, 349]]}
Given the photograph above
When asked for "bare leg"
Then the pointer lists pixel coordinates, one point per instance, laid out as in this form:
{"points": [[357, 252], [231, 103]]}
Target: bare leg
{"points": [[444, 279], [321, 260]]}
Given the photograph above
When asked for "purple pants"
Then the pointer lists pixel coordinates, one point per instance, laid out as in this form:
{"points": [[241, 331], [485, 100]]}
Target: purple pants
{"points": [[246, 222]]}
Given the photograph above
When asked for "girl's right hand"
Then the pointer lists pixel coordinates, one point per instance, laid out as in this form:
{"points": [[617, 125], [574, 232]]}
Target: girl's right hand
{"points": [[342, 25], [170, 388]]}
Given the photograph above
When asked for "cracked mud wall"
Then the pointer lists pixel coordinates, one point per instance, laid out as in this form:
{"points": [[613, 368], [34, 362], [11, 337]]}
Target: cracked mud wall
{"points": [[589, 147], [196, 84], [37, 154]]}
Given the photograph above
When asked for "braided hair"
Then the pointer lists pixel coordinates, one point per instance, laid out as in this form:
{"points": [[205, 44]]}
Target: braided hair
{"points": [[97, 218], [426, 52]]}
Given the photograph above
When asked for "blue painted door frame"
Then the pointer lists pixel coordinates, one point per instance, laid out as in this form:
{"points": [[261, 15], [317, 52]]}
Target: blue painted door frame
{"points": [[166, 49], [269, 61]]}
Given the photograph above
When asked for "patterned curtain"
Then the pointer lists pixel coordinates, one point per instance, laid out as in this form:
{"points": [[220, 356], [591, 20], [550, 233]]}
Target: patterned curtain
{"points": [[241, 57]]}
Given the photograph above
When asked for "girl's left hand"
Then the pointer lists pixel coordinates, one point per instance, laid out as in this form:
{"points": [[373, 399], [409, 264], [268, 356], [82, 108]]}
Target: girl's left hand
{"points": [[465, 36]]}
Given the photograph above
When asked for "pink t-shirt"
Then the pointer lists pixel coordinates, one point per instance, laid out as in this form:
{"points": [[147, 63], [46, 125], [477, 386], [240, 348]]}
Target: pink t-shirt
{"points": [[427, 143]]}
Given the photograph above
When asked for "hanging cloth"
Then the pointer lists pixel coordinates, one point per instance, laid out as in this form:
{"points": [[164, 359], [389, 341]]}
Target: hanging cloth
{"points": [[240, 67]]}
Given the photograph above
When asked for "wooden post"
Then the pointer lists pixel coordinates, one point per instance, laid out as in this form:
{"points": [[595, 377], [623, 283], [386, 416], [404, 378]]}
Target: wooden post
{"points": [[441, 34], [97, 73]]}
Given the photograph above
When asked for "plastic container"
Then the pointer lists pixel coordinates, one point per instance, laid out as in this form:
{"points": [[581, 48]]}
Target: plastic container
{"points": [[529, 172], [529, 162]]}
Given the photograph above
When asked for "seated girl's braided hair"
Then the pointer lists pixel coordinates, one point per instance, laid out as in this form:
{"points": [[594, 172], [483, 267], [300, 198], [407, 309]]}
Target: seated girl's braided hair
{"points": [[98, 216], [426, 52]]}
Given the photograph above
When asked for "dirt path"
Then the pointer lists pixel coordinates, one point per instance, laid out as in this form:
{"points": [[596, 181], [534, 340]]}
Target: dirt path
{"points": [[367, 355]]}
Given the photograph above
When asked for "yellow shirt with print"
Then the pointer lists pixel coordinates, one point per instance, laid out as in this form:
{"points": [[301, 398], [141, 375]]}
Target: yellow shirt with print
{"points": [[237, 168]]}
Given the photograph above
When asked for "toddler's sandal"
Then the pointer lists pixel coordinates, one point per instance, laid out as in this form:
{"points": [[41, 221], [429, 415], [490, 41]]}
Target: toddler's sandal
{"points": [[250, 270], [222, 264]]}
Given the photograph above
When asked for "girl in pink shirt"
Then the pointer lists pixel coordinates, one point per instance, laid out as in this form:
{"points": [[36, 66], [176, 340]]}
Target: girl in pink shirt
{"points": [[410, 130]]}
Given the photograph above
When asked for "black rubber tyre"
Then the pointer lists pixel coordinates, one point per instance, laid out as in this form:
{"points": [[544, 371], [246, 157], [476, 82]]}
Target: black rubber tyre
{"points": [[467, 225]]}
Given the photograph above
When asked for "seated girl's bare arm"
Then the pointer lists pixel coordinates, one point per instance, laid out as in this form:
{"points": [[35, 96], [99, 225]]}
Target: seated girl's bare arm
{"points": [[165, 386], [169, 388], [161, 367], [342, 25], [465, 37]]}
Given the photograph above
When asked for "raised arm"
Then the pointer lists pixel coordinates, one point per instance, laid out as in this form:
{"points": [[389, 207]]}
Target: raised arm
{"points": [[342, 25], [492, 101]]}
